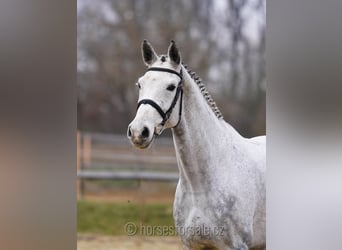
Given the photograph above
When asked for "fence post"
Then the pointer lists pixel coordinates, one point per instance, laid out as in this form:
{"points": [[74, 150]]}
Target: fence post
{"points": [[78, 165], [85, 158], [87, 150]]}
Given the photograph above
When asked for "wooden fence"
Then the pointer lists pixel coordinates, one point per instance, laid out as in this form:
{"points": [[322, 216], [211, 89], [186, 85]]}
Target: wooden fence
{"points": [[112, 157]]}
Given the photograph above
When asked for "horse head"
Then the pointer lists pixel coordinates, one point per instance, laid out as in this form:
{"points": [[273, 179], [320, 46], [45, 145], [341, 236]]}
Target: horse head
{"points": [[160, 95]]}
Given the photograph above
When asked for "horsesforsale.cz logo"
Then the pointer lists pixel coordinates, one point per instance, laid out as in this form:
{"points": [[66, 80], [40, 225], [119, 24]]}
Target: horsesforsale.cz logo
{"points": [[131, 229]]}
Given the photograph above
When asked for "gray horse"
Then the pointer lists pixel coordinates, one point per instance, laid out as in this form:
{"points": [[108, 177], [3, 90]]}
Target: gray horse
{"points": [[220, 200]]}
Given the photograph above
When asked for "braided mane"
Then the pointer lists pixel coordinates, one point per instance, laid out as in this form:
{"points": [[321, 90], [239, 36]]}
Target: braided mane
{"points": [[204, 92]]}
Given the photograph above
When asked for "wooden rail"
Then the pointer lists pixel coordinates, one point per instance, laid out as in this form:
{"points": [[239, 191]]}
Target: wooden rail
{"points": [[145, 176], [112, 157]]}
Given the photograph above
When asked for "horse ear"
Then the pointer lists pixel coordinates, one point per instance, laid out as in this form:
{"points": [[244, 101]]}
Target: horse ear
{"points": [[148, 53], [174, 53]]}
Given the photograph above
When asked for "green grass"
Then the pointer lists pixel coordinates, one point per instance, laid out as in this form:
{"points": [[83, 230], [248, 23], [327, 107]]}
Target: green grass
{"points": [[109, 218], [109, 184]]}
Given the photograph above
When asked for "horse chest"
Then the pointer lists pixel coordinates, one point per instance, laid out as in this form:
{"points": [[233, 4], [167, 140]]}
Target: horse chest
{"points": [[196, 226], [187, 215], [209, 221]]}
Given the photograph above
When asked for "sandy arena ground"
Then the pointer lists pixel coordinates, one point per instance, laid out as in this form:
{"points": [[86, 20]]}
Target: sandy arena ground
{"points": [[99, 242]]}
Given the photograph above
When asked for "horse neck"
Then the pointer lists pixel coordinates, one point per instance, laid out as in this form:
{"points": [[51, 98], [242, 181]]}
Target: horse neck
{"points": [[194, 136]]}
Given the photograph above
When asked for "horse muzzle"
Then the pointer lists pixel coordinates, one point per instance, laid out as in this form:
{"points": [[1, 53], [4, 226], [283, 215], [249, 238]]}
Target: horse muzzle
{"points": [[140, 138]]}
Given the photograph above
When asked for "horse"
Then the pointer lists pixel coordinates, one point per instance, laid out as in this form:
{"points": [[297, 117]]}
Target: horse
{"points": [[220, 199]]}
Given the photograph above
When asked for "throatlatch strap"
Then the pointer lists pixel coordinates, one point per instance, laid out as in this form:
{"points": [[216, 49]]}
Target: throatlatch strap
{"points": [[180, 108]]}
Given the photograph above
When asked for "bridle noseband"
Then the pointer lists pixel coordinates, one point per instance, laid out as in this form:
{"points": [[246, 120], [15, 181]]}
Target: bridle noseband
{"points": [[179, 92]]}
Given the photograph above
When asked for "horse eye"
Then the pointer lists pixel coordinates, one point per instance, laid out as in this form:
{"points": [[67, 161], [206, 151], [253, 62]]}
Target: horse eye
{"points": [[138, 84], [171, 87]]}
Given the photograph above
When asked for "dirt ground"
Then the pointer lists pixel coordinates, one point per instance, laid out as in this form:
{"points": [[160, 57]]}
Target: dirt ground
{"points": [[99, 242]]}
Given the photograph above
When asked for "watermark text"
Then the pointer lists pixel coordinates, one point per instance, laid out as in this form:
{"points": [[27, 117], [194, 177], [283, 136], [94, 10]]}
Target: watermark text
{"points": [[132, 228]]}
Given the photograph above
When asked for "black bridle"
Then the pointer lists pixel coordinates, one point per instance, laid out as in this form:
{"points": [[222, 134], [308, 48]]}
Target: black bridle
{"points": [[179, 92]]}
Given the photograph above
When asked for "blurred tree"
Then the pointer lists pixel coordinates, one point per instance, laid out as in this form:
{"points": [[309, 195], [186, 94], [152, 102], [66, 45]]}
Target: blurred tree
{"points": [[223, 41]]}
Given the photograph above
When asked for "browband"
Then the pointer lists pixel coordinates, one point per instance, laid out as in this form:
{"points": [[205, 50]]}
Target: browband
{"points": [[165, 70]]}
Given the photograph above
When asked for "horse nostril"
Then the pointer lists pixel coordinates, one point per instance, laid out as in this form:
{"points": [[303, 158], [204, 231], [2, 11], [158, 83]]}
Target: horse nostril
{"points": [[145, 133], [129, 132]]}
